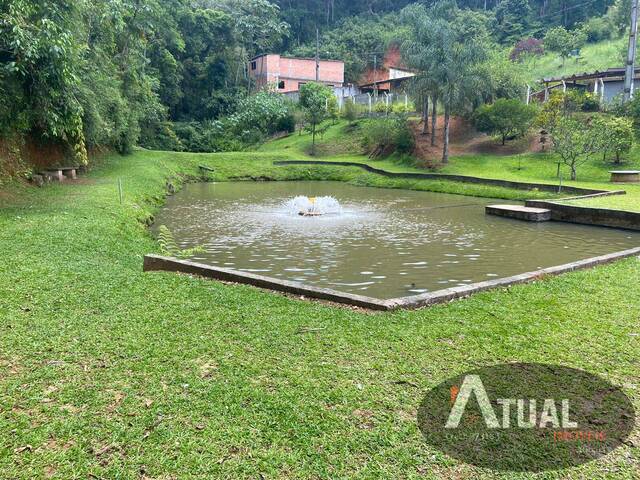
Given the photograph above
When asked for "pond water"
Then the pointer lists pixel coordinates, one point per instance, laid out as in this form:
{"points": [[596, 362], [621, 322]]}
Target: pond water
{"points": [[383, 243]]}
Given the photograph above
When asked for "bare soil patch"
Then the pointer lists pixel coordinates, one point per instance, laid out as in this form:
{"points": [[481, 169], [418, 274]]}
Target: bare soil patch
{"points": [[464, 139]]}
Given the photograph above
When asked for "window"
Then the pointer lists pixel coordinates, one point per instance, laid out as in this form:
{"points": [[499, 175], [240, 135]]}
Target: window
{"points": [[254, 65], [301, 84], [281, 84]]}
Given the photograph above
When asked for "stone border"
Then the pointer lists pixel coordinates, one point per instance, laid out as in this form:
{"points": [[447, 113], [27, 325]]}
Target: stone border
{"points": [[543, 187], [167, 264], [602, 217]]}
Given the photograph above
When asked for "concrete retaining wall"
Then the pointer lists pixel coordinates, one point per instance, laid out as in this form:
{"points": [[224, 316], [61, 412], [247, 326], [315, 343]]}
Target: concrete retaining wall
{"points": [[602, 217], [158, 263], [543, 187]]}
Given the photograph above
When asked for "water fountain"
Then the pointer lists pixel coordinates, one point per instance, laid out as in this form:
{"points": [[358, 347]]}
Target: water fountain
{"points": [[313, 206]]}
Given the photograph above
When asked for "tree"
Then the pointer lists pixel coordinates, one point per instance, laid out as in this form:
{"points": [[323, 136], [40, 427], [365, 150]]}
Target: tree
{"points": [[506, 118], [563, 42], [41, 65], [512, 20], [314, 98], [447, 46], [575, 142], [615, 134]]}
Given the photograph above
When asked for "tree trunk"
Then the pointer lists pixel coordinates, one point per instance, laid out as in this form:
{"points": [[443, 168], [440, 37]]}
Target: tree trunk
{"points": [[445, 146], [574, 173], [504, 139], [434, 118], [425, 115], [313, 139]]}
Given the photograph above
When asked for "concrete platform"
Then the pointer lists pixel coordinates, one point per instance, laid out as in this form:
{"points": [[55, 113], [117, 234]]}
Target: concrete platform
{"points": [[519, 212], [625, 176]]}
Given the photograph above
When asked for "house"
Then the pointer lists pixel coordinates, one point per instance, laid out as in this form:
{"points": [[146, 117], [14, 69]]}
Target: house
{"points": [[605, 85], [389, 76], [288, 74]]}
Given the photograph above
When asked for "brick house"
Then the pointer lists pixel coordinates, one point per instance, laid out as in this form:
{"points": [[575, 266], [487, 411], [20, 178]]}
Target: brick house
{"points": [[389, 76], [288, 74]]}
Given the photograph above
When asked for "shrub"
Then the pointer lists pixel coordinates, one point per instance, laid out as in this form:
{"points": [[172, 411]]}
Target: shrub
{"points": [[597, 29], [383, 136], [507, 118], [401, 108], [381, 107], [262, 111], [631, 110], [287, 123], [526, 47], [350, 111], [589, 102]]}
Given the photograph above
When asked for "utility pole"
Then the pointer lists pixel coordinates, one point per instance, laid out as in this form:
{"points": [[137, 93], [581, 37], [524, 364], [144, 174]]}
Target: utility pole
{"points": [[375, 74], [631, 53], [318, 54]]}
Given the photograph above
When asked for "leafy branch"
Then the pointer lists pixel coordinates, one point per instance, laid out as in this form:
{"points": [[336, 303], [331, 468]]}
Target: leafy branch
{"points": [[168, 245]]}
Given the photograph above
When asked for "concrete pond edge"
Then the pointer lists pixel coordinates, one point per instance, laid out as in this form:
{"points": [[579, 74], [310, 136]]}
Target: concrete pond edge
{"points": [[543, 187], [154, 263]]}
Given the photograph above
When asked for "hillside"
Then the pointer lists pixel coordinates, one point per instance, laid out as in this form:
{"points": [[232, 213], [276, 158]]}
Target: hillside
{"points": [[593, 56]]}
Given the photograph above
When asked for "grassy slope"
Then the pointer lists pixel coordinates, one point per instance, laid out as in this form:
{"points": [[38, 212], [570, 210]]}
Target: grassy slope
{"points": [[110, 372], [526, 167], [593, 56]]}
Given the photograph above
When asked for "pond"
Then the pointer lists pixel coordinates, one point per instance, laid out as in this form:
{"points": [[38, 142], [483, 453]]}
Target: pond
{"points": [[382, 243]]}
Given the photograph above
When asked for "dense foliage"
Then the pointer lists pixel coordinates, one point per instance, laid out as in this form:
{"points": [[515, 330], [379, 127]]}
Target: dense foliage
{"points": [[506, 118], [173, 74]]}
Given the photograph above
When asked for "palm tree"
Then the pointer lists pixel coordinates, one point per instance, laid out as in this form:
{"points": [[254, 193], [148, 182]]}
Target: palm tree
{"points": [[447, 58]]}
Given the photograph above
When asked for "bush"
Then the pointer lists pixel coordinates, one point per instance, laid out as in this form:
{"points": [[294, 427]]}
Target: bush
{"points": [[381, 107], [630, 110], [262, 111], [590, 103], [526, 47], [287, 123], [161, 136], [211, 137], [350, 111], [505, 118], [597, 29], [577, 100], [401, 108], [383, 136]]}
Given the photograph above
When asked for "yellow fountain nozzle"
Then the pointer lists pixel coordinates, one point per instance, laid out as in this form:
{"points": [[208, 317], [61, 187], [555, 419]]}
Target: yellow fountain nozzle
{"points": [[312, 199]]}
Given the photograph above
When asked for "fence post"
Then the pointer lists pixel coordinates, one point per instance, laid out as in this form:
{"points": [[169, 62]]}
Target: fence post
{"points": [[528, 93], [120, 192], [370, 109]]}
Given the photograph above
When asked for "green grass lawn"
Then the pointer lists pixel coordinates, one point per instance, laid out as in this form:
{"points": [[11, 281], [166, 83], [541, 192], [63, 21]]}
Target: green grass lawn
{"points": [[108, 372]]}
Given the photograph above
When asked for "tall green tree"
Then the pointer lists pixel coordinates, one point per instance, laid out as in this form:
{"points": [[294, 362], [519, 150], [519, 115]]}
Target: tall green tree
{"points": [[314, 99]]}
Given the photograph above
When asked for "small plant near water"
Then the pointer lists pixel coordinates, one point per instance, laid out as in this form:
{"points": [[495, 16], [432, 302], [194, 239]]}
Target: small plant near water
{"points": [[168, 245]]}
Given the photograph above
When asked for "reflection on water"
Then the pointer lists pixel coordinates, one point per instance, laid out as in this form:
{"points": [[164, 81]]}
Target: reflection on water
{"points": [[383, 243]]}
